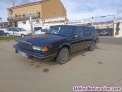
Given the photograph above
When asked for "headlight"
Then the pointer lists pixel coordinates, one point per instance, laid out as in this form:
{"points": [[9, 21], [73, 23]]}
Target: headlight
{"points": [[40, 48]]}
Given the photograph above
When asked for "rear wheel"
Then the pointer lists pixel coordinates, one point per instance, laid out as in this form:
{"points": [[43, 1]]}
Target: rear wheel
{"points": [[92, 46], [63, 56]]}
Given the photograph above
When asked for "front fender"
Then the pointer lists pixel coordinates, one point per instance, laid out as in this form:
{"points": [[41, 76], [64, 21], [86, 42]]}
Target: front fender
{"points": [[63, 45]]}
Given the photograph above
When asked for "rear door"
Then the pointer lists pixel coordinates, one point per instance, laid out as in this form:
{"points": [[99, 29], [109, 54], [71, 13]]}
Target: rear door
{"points": [[87, 37], [78, 42]]}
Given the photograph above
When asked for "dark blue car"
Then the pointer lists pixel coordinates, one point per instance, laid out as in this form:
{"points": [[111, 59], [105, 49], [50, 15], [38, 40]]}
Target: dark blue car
{"points": [[58, 43], [1, 32]]}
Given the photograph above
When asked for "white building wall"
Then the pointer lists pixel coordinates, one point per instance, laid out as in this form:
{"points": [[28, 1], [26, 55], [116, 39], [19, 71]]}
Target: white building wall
{"points": [[25, 26]]}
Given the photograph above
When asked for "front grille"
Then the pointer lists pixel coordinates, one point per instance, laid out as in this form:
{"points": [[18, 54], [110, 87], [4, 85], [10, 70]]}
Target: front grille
{"points": [[24, 44]]}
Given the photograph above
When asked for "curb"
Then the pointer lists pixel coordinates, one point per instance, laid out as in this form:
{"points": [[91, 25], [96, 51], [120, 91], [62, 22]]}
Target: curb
{"points": [[7, 40]]}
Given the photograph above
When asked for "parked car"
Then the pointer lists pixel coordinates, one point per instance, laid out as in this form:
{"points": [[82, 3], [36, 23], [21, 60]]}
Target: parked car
{"points": [[1, 32], [58, 43], [104, 33], [41, 31], [3, 29], [17, 32]]}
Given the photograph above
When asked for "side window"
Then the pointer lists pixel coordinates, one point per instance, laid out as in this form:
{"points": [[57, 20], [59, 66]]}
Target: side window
{"points": [[79, 31], [14, 29], [9, 29], [93, 30], [86, 31]]}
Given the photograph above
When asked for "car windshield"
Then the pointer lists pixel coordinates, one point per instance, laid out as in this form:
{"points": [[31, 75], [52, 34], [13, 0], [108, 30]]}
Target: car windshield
{"points": [[61, 30], [21, 29]]}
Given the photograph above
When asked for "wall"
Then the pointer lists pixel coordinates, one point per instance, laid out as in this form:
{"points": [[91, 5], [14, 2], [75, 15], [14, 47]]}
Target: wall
{"points": [[25, 26], [52, 9]]}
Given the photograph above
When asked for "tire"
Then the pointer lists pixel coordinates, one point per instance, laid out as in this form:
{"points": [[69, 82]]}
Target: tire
{"points": [[63, 56], [7, 34], [22, 35], [92, 46]]}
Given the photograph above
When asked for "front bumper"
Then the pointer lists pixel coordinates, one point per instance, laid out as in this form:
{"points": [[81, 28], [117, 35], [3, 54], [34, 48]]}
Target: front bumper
{"points": [[42, 55]]}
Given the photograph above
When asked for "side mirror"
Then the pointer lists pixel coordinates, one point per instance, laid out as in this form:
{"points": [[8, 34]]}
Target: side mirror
{"points": [[76, 36]]}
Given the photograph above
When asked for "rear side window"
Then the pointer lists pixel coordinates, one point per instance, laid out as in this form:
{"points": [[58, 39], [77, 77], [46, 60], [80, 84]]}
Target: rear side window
{"points": [[86, 31], [93, 31], [79, 31], [14, 29], [10, 29]]}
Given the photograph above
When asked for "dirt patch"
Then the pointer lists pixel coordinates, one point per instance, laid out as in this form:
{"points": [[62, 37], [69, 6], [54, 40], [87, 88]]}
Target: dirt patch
{"points": [[46, 70], [83, 54], [37, 66], [100, 63]]}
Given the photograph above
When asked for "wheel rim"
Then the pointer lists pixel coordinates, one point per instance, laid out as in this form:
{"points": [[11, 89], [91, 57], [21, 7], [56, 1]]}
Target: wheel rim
{"points": [[92, 47], [64, 56]]}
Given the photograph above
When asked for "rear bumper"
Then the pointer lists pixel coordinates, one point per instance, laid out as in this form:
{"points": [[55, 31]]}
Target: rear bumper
{"points": [[41, 55]]}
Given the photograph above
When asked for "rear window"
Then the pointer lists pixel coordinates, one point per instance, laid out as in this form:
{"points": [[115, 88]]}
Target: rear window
{"points": [[93, 30]]}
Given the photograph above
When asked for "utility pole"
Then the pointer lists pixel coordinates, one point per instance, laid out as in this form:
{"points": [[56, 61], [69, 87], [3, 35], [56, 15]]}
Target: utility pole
{"points": [[31, 25], [0, 21]]}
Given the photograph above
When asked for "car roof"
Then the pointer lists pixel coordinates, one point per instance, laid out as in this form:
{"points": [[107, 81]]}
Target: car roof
{"points": [[74, 25]]}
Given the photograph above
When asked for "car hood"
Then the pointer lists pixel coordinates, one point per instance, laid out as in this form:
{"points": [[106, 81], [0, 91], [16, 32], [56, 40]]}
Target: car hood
{"points": [[43, 40]]}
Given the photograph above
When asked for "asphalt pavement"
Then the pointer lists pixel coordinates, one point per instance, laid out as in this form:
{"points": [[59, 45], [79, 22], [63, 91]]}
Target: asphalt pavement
{"points": [[110, 40]]}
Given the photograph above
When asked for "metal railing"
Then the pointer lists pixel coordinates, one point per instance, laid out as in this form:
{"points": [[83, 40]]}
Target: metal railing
{"points": [[21, 17]]}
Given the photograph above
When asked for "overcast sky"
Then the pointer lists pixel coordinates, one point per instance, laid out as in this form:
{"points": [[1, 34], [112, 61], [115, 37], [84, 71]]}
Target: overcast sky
{"points": [[77, 9]]}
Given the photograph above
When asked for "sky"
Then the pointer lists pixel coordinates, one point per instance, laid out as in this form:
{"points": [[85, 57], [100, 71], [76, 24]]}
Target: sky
{"points": [[77, 9]]}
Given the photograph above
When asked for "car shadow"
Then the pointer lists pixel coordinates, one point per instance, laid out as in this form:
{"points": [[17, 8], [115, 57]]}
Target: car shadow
{"points": [[79, 53], [52, 62], [46, 61]]}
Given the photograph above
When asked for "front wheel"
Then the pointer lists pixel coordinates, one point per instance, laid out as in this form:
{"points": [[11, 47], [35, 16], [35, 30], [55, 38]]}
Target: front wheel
{"points": [[92, 46], [63, 56]]}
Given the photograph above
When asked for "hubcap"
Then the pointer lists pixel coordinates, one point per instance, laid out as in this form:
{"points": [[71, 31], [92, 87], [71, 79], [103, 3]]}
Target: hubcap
{"points": [[93, 46], [64, 56]]}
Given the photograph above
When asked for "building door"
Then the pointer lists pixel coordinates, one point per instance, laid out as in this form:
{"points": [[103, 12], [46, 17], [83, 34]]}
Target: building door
{"points": [[16, 24]]}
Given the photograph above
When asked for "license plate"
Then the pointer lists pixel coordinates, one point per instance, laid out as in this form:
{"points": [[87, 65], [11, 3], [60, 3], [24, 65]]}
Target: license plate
{"points": [[22, 53]]}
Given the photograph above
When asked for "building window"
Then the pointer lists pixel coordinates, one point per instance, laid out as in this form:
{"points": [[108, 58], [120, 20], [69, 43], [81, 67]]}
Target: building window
{"points": [[37, 21], [37, 13], [23, 15], [15, 16], [24, 22], [30, 13], [10, 15]]}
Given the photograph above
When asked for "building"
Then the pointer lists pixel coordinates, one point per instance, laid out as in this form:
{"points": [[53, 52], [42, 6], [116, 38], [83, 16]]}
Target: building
{"points": [[118, 28], [4, 24], [44, 13], [113, 27]]}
